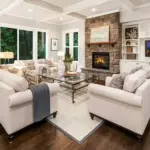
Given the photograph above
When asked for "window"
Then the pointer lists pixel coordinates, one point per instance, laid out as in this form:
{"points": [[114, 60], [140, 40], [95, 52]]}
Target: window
{"points": [[25, 45], [75, 46], [71, 44], [8, 42], [41, 45]]}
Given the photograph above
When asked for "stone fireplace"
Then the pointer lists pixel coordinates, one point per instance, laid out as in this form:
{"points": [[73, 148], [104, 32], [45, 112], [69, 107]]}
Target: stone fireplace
{"points": [[105, 66], [100, 60]]}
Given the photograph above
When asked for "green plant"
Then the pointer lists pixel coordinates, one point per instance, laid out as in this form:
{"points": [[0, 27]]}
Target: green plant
{"points": [[68, 58]]}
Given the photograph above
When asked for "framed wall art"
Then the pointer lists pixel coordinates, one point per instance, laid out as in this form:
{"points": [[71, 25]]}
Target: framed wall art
{"points": [[100, 34], [54, 44], [147, 48], [131, 33]]}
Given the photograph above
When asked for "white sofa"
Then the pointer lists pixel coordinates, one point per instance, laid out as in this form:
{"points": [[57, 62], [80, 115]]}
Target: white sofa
{"points": [[37, 65], [128, 110], [16, 102]]}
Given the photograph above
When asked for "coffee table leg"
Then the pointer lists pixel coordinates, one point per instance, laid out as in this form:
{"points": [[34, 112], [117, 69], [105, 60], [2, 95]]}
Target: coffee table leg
{"points": [[73, 91]]}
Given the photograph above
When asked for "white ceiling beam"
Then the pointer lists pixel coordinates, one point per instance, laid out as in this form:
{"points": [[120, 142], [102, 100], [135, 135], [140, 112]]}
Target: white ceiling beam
{"points": [[51, 18], [142, 6], [45, 5], [77, 16], [84, 5], [10, 6], [127, 4]]}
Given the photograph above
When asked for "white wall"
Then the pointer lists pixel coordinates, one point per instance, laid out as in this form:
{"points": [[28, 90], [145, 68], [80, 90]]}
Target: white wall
{"points": [[80, 26], [53, 31]]}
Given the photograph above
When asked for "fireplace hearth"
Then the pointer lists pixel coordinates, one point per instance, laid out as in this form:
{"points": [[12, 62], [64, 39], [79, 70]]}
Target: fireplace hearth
{"points": [[100, 60]]}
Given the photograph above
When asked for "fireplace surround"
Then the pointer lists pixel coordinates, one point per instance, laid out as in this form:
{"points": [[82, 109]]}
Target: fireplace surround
{"points": [[100, 60]]}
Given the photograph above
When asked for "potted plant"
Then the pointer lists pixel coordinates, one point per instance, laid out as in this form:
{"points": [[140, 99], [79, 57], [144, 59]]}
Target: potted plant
{"points": [[67, 61]]}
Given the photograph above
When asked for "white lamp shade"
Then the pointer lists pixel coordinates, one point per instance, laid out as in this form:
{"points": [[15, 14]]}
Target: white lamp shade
{"points": [[6, 55], [2, 55], [9, 55], [61, 53]]}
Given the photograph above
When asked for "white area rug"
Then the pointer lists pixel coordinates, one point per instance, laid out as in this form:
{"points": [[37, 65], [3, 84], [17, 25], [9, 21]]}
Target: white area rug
{"points": [[74, 119]]}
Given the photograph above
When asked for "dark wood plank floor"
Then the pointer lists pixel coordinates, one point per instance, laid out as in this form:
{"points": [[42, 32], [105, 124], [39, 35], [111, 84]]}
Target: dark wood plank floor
{"points": [[44, 136]]}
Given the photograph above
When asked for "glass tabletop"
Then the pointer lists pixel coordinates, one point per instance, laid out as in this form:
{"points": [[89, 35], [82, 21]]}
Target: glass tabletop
{"points": [[70, 79]]}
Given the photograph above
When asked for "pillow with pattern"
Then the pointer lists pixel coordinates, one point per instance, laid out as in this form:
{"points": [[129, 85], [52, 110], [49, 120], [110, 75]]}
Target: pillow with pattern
{"points": [[118, 81]]}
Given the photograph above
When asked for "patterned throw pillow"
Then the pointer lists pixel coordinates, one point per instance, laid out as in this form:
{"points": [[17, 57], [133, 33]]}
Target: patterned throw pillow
{"points": [[16, 71], [31, 76], [118, 81], [29, 64]]}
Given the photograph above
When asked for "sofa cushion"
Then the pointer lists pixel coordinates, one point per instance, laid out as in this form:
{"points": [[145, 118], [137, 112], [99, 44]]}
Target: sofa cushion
{"points": [[18, 83], [19, 63], [29, 64], [133, 81], [41, 61], [147, 70]]}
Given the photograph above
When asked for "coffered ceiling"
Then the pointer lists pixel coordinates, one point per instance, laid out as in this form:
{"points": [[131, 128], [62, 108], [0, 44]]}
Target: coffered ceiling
{"points": [[64, 11]]}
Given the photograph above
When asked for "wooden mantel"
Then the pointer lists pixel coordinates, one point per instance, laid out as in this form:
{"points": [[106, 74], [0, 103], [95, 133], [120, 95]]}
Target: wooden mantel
{"points": [[102, 43]]}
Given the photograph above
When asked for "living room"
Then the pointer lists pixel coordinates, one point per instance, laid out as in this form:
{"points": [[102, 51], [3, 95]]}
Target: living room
{"points": [[74, 74]]}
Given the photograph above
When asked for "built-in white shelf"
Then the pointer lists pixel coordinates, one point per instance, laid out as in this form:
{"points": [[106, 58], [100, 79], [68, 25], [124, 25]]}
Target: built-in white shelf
{"points": [[144, 37], [131, 53], [129, 45], [131, 39]]}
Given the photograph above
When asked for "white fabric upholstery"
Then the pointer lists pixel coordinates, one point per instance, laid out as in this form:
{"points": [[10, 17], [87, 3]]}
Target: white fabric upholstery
{"points": [[133, 81], [16, 109], [147, 70], [26, 96], [16, 82], [38, 65], [110, 93], [108, 81], [129, 110]]}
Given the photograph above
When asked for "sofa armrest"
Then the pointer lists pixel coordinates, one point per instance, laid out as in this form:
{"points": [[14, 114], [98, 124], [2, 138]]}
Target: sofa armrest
{"points": [[40, 67], [5, 90], [23, 97], [20, 98], [115, 94]]}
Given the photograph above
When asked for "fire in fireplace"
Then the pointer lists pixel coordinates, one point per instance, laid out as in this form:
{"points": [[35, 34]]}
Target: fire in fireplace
{"points": [[100, 60]]}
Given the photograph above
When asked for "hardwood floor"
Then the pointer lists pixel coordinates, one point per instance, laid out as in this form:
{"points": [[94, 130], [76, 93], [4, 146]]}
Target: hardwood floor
{"points": [[44, 136]]}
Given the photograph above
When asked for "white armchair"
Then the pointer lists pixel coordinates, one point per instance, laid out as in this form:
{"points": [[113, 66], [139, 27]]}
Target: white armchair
{"points": [[128, 110], [16, 102]]}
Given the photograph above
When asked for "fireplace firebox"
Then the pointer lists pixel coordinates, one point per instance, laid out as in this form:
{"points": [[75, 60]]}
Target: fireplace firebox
{"points": [[100, 60]]}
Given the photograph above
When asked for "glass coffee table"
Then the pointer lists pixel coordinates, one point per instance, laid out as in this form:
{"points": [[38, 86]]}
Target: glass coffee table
{"points": [[73, 83]]}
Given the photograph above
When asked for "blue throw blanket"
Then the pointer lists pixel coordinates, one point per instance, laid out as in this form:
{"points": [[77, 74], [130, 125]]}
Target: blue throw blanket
{"points": [[41, 101]]}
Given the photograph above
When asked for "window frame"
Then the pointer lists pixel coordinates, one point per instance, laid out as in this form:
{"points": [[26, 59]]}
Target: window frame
{"points": [[71, 41], [35, 38]]}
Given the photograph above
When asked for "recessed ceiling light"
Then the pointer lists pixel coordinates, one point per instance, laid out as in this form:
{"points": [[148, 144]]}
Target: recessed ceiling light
{"points": [[61, 18], [93, 9], [29, 10]]}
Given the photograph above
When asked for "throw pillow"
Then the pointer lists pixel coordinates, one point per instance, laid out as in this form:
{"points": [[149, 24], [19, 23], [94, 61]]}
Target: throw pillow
{"points": [[147, 70], [29, 64], [31, 76], [135, 69], [133, 81], [16, 71], [118, 81]]}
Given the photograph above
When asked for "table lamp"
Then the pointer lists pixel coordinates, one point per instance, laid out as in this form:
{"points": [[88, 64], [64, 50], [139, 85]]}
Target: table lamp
{"points": [[6, 55], [61, 54]]}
